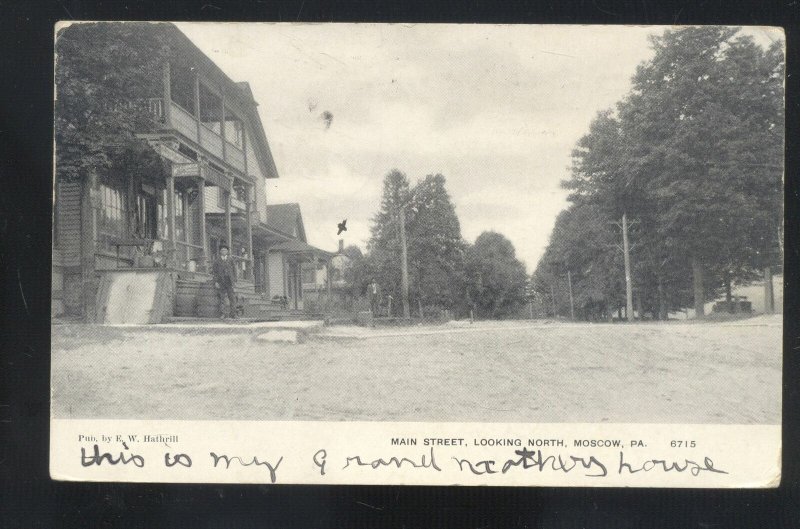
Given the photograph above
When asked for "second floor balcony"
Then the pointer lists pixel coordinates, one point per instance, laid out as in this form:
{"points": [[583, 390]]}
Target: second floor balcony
{"points": [[204, 133]]}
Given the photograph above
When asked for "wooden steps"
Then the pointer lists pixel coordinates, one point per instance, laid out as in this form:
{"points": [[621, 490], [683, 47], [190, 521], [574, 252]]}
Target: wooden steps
{"points": [[198, 299]]}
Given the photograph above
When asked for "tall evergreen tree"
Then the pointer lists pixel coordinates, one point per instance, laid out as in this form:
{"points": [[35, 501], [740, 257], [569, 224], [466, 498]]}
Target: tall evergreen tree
{"points": [[436, 249], [496, 279], [434, 244], [384, 244]]}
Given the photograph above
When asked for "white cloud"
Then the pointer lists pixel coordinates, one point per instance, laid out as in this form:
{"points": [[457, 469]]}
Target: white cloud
{"points": [[496, 109]]}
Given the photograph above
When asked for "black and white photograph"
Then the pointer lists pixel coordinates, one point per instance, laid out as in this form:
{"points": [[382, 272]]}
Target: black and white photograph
{"points": [[419, 223]]}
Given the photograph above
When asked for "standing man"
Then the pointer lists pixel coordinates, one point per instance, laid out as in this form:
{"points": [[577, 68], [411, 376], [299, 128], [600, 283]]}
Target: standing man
{"points": [[373, 292], [224, 272]]}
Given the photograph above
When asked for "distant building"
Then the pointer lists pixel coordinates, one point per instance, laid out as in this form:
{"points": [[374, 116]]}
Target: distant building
{"points": [[317, 276]]}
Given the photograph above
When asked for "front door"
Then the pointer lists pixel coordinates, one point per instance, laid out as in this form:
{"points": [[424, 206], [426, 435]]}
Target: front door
{"points": [[295, 287], [259, 273], [146, 219]]}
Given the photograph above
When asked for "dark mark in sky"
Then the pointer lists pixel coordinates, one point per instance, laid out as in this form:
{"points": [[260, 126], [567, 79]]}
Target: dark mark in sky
{"points": [[327, 117]]}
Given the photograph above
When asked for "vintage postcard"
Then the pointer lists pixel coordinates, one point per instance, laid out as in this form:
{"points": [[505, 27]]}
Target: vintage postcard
{"points": [[418, 254]]}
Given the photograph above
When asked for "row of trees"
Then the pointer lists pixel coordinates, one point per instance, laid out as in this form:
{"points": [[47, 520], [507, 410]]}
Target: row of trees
{"points": [[445, 272], [693, 154]]}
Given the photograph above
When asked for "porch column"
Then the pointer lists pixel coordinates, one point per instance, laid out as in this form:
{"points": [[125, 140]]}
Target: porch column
{"points": [[201, 188], [130, 207], [249, 229], [171, 211], [329, 274], [285, 274], [244, 146], [266, 274], [167, 95], [222, 125], [88, 244], [228, 229], [197, 106]]}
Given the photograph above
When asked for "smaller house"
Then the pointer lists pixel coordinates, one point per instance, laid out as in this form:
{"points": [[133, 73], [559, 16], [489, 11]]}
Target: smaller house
{"points": [[317, 277], [288, 259]]}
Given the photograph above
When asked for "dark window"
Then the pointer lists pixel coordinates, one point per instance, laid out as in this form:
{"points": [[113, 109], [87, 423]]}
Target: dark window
{"points": [[163, 217], [182, 87], [210, 109], [111, 218], [146, 221], [240, 192], [180, 211], [234, 131]]}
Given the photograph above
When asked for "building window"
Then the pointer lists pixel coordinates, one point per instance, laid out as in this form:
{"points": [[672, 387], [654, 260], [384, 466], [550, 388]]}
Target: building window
{"points": [[240, 192], [234, 131], [111, 222], [163, 217], [210, 109], [181, 82], [146, 216], [180, 211], [221, 197]]}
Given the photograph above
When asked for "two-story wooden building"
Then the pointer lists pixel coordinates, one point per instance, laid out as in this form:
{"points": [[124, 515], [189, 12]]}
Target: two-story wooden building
{"points": [[132, 245]]}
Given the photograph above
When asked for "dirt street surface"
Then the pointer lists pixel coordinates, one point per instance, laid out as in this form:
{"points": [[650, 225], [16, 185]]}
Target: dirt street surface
{"points": [[674, 372]]}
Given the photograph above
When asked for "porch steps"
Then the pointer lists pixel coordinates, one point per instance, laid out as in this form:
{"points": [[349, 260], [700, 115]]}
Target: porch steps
{"points": [[198, 299]]}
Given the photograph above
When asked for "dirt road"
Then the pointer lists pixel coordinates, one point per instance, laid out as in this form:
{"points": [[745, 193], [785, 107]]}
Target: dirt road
{"points": [[516, 372]]}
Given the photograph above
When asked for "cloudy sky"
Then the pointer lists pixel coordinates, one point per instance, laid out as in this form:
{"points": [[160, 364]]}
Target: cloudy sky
{"points": [[495, 109]]}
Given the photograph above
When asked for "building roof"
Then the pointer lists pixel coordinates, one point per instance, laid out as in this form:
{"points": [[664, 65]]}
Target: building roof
{"points": [[286, 218], [297, 246], [239, 90]]}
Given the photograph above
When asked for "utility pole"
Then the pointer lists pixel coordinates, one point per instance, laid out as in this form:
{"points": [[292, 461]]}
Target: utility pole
{"points": [[404, 264], [628, 284], [571, 301]]}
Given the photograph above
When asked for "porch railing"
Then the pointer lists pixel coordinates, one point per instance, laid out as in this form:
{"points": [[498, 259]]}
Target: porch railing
{"points": [[183, 121], [186, 252], [247, 274], [235, 156], [150, 105]]}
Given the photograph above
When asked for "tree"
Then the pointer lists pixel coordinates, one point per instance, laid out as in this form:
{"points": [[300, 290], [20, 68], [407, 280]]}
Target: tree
{"points": [[706, 114], [104, 72], [384, 244], [355, 272], [495, 277], [693, 154], [434, 243], [582, 243], [436, 249]]}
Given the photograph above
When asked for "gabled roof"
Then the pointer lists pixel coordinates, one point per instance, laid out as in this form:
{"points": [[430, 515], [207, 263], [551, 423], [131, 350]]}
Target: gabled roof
{"points": [[297, 246], [286, 218], [242, 93]]}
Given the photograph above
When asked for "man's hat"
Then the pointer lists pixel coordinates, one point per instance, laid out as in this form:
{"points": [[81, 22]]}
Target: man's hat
{"points": [[223, 245]]}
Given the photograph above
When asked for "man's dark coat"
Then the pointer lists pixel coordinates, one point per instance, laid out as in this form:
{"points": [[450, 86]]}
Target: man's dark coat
{"points": [[224, 272]]}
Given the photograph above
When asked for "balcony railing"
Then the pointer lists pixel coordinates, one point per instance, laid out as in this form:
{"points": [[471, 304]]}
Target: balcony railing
{"points": [[235, 156], [151, 105], [186, 123], [211, 141], [183, 121]]}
